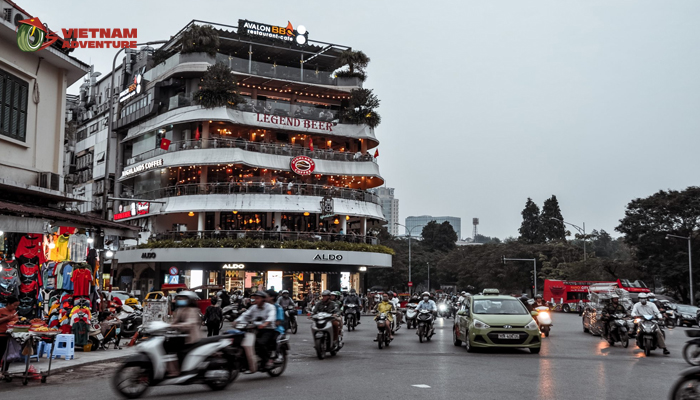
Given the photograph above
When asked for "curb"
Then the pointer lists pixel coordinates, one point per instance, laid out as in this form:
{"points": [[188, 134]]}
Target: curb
{"points": [[62, 368]]}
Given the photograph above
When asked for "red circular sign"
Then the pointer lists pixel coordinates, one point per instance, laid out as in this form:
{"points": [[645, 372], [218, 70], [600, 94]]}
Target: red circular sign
{"points": [[173, 271], [303, 165]]}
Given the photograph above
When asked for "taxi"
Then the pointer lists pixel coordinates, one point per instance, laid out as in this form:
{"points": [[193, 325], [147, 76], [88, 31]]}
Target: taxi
{"points": [[492, 320]]}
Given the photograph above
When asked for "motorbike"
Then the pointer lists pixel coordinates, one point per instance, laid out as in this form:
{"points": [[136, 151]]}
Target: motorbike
{"points": [[687, 386], [230, 313], [618, 330], [383, 337], [243, 351], [411, 314], [670, 318], [444, 310], [290, 314], [203, 362], [351, 316], [691, 350], [646, 333], [322, 329], [425, 323], [544, 319]]}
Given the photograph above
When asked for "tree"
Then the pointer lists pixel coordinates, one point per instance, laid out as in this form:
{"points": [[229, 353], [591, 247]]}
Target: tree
{"points": [[645, 225], [361, 108], [439, 237], [200, 39], [218, 88], [356, 61], [530, 228], [551, 221]]}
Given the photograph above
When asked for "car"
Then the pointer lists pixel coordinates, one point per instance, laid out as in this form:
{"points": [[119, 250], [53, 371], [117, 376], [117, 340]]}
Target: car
{"points": [[687, 315], [492, 320], [121, 294], [153, 296]]}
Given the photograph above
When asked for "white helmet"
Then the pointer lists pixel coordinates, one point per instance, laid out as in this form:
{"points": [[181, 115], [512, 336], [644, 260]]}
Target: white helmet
{"points": [[643, 296], [651, 296], [614, 296]]}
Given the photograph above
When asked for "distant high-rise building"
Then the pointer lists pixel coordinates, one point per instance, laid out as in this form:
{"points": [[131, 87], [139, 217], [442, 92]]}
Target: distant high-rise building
{"points": [[416, 224], [390, 208]]}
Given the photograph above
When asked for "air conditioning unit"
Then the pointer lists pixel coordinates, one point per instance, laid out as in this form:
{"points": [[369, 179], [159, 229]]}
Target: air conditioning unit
{"points": [[49, 180]]}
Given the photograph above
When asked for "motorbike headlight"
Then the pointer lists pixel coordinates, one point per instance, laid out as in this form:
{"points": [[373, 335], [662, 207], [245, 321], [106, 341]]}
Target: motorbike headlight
{"points": [[544, 314], [531, 325], [442, 307], [481, 325], [636, 320]]}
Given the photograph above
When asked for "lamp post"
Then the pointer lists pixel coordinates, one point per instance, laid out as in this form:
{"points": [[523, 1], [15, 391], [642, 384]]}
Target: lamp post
{"points": [[690, 264], [410, 288], [110, 121], [580, 230], [534, 268]]}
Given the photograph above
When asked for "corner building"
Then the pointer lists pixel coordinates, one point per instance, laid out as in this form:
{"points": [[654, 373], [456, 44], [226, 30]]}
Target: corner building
{"points": [[270, 193]]}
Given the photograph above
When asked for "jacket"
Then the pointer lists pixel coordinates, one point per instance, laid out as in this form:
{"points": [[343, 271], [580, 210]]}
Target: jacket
{"points": [[386, 307], [330, 307]]}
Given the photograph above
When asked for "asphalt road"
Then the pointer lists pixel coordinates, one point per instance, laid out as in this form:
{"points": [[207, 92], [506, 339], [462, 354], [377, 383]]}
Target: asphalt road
{"points": [[571, 365]]}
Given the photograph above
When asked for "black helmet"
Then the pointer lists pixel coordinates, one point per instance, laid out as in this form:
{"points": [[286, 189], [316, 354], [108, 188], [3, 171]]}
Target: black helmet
{"points": [[352, 291], [326, 293]]}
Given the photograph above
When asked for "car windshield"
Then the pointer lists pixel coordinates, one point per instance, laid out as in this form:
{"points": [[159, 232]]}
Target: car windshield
{"points": [[121, 295], [500, 307], [635, 284], [687, 309]]}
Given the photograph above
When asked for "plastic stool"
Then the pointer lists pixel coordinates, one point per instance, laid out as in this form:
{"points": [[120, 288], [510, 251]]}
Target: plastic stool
{"points": [[65, 347], [41, 349]]}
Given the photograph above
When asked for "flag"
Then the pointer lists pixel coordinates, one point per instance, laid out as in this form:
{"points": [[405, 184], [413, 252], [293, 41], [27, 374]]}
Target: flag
{"points": [[311, 145], [196, 134], [164, 144], [376, 153]]}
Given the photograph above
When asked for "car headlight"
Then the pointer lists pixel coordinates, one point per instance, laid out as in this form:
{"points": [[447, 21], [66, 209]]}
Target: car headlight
{"points": [[531, 325], [480, 325]]}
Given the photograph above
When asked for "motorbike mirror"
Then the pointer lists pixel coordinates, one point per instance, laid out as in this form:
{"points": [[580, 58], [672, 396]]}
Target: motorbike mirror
{"points": [[534, 313]]}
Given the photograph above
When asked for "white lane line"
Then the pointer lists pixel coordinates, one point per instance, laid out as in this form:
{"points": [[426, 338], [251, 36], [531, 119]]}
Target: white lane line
{"points": [[421, 386]]}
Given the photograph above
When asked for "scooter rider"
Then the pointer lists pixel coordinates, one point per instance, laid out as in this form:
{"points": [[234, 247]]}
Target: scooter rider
{"points": [[326, 305], [353, 298], [187, 321], [610, 310], [264, 316], [427, 304], [285, 302], [386, 307], [647, 308], [539, 302], [397, 306]]}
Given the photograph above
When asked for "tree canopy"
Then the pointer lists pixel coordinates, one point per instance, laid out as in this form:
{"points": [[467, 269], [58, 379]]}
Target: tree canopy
{"points": [[551, 221], [530, 231]]}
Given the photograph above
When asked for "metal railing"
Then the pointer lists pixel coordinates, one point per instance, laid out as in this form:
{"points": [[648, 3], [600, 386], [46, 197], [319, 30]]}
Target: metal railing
{"points": [[297, 189], [258, 147], [267, 235]]}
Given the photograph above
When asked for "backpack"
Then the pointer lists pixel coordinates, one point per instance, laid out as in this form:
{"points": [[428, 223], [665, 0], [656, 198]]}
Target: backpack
{"points": [[225, 299], [214, 316]]}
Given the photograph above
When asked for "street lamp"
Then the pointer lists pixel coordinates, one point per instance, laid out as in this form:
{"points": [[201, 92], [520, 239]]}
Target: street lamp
{"points": [[690, 264], [109, 125], [534, 268], [580, 230], [410, 288]]}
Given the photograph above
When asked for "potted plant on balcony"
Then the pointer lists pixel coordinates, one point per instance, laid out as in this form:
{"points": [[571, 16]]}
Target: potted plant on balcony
{"points": [[355, 74], [200, 39], [217, 88], [361, 108]]}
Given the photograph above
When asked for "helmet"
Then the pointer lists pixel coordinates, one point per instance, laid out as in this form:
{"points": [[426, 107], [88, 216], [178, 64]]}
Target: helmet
{"points": [[651, 295], [326, 293], [189, 294], [352, 291], [285, 292], [426, 294], [643, 296], [614, 296], [131, 302], [463, 293], [336, 293], [259, 293], [539, 296], [271, 293]]}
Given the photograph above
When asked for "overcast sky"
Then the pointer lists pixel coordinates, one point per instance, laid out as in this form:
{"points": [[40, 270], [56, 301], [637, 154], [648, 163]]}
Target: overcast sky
{"points": [[486, 103]]}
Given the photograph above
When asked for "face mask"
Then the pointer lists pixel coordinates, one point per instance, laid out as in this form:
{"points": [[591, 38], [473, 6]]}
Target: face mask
{"points": [[643, 301], [182, 302], [426, 298]]}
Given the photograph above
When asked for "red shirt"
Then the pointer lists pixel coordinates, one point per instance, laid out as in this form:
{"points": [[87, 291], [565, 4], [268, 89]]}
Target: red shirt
{"points": [[81, 282], [30, 246]]}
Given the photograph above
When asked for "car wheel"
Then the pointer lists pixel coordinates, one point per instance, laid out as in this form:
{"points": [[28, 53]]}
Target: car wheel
{"points": [[468, 344], [455, 337], [535, 350]]}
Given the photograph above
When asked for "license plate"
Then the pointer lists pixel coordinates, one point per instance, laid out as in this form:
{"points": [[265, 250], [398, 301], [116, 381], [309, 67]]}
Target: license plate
{"points": [[99, 336], [508, 336]]}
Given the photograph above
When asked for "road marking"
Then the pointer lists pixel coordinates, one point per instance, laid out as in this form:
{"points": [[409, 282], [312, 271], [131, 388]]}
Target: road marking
{"points": [[421, 386]]}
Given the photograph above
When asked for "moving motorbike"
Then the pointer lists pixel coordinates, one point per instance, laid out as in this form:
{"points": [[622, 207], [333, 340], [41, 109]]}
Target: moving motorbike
{"points": [[544, 319], [425, 325], [203, 362], [411, 314], [691, 350], [351, 316], [444, 309], [383, 327], [618, 330], [231, 312], [670, 318], [646, 334], [290, 314], [243, 351], [322, 329], [687, 386]]}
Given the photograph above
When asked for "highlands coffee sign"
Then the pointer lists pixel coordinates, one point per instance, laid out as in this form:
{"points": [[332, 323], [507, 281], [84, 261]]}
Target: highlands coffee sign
{"points": [[287, 33], [142, 167]]}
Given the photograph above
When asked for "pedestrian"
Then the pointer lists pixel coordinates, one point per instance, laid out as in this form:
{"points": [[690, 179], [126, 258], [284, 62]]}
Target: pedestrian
{"points": [[213, 317], [7, 315]]}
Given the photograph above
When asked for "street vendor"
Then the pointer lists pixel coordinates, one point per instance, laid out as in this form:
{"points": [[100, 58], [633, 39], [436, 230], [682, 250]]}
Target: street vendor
{"points": [[8, 315]]}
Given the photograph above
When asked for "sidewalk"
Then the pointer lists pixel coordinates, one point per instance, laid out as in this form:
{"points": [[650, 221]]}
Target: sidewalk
{"points": [[81, 359]]}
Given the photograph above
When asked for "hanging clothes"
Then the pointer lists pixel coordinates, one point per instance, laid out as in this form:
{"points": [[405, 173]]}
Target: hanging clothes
{"points": [[60, 252], [67, 270], [78, 247], [31, 246], [80, 330], [30, 272], [9, 281], [81, 279]]}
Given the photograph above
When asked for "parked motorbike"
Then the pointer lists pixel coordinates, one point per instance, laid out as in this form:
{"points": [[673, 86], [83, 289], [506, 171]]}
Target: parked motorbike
{"points": [[204, 362], [243, 351], [646, 334], [230, 313], [618, 330], [411, 314], [687, 386], [383, 329], [322, 329], [290, 314], [691, 350], [425, 329], [544, 319], [351, 316]]}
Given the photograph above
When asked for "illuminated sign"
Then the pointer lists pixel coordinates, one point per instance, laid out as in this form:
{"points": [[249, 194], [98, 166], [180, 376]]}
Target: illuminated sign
{"points": [[140, 208], [233, 266], [302, 165], [132, 90], [142, 167], [296, 122], [287, 33]]}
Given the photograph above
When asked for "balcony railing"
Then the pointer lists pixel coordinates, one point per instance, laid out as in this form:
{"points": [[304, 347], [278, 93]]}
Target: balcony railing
{"points": [[258, 147], [298, 189], [268, 235]]}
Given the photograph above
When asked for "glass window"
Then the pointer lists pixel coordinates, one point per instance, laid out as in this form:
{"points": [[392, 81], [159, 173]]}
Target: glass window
{"points": [[13, 106]]}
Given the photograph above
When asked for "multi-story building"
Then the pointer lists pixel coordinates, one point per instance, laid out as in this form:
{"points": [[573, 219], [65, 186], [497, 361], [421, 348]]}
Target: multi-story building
{"points": [[416, 224], [390, 208], [271, 192]]}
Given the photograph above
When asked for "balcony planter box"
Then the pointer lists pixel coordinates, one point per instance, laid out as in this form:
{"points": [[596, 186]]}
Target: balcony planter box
{"points": [[349, 81]]}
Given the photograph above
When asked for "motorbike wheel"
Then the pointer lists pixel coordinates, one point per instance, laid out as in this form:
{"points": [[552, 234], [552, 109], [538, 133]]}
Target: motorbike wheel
{"points": [[545, 330], [625, 340], [294, 327], [691, 354], [380, 341], [278, 369], [687, 387], [566, 308], [670, 324], [420, 333], [647, 347], [132, 385], [320, 346], [455, 339], [224, 376]]}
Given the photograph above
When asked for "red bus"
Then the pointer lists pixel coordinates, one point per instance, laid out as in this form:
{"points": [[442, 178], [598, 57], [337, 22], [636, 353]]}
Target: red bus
{"points": [[633, 287]]}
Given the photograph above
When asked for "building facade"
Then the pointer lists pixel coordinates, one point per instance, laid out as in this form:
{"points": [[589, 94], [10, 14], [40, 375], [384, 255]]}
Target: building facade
{"points": [[390, 208], [271, 192], [416, 224]]}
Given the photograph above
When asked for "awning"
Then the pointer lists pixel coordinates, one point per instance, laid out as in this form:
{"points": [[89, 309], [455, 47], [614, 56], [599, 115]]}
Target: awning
{"points": [[36, 219]]}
